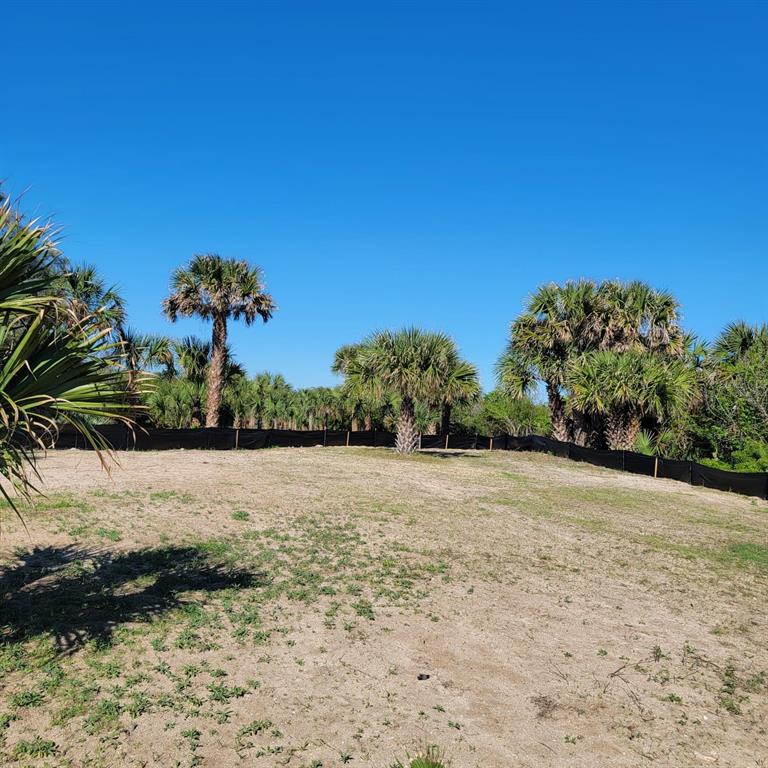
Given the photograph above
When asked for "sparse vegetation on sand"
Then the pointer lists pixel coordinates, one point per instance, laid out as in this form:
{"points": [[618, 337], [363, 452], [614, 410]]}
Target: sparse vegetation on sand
{"points": [[348, 606]]}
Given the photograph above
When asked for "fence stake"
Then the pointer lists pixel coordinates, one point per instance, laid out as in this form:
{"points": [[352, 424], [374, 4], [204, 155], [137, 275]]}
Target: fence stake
{"points": [[419, 440], [237, 439], [446, 442], [490, 448], [656, 467], [325, 432], [347, 438]]}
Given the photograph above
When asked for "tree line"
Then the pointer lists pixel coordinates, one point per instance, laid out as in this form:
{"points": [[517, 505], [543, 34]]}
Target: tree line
{"points": [[611, 360]]}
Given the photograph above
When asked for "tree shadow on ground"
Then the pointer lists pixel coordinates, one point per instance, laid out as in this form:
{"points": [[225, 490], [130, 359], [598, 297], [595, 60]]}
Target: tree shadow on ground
{"points": [[78, 594]]}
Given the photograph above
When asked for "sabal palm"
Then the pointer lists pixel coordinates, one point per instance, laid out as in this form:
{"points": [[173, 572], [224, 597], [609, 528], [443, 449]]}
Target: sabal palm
{"points": [[737, 340], [558, 322], [87, 297], [363, 398], [461, 386], [632, 315], [626, 387], [142, 353], [192, 356], [218, 290], [412, 364]]}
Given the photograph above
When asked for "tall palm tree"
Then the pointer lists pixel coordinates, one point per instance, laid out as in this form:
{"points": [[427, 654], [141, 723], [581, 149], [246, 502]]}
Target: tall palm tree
{"points": [[558, 322], [218, 289], [412, 364]]}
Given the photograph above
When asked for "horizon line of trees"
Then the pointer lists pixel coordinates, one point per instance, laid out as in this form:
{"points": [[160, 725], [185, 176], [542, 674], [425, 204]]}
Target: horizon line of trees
{"points": [[618, 369]]}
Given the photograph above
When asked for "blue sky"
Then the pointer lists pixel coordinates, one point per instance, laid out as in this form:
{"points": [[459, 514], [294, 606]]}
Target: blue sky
{"points": [[397, 163]]}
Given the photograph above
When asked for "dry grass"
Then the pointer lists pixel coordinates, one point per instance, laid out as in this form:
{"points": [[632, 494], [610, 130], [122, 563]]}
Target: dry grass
{"points": [[308, 607]]}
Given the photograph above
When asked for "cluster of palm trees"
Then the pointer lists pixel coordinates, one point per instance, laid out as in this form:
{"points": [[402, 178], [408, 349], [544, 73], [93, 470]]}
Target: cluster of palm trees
{"points": [[611, 356]]}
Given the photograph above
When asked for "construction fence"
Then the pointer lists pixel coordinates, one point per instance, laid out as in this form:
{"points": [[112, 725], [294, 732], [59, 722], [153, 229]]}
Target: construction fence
{"points": [[224, 439]]}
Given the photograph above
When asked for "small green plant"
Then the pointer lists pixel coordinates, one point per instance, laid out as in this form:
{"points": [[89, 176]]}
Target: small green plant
{"points": [[26, 699], [241, 515], [431, 757], [37, 747], [254, 728], [111, 534]]}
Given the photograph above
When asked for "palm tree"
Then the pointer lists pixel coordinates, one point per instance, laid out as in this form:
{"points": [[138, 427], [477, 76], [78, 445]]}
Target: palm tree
{"points": [[363, 398], [193, 356], [558, 322], [411, 364], [461, 387], [48, 375], [564, 322], [142, 353], [218, 289], [736, 341], [627, 387], [87, 297], [632, 315]]}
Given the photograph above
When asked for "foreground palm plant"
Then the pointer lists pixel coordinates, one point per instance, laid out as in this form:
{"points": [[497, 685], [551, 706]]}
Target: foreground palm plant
{"points": [[53, 371], [218, 289]]}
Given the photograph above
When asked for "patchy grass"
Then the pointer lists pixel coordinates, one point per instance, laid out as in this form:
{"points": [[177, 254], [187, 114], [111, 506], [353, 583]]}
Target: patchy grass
{"points": [[366, 599]]}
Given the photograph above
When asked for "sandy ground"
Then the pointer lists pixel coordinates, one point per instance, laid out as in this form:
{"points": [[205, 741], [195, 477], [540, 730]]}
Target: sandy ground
{"points": [[516, 610]]}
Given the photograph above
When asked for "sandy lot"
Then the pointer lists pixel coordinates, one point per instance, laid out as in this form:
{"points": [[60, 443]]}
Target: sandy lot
{"points": [[318, 607]]}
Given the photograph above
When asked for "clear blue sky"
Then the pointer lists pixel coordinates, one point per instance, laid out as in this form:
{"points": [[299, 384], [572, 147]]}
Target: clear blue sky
{"points": [[397, 163]]}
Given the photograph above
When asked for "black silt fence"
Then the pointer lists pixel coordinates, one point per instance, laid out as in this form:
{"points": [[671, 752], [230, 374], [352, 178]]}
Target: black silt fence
{"points": [[223, 439]]}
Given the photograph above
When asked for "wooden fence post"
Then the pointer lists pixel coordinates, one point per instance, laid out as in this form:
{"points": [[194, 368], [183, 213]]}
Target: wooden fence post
{"points": [[347, 438], [237, 438], [419, 440], [325, 433], [446, 442], [490, 447], [656, 467]]}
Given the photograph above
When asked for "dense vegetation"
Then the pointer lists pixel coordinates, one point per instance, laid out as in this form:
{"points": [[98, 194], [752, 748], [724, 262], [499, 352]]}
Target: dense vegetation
{"points": [[612, 360]]}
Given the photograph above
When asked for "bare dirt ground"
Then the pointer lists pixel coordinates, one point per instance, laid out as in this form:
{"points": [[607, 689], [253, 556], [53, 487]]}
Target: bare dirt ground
{"points": [[318, 607]]}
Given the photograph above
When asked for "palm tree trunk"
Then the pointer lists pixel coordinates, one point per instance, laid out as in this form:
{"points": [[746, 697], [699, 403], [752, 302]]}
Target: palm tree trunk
{"points": [[557, 413], [580, 427], [407, 438], [216, 370], [632, 429], [615, 430], [445, 423], [368, 423]]}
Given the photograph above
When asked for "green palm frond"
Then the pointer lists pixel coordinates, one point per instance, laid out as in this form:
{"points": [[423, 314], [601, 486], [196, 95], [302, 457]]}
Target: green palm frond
{"points": [[51, 374]]}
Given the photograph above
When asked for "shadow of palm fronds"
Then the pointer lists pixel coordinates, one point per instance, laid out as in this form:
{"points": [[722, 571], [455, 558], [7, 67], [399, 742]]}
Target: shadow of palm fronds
{"points": [[78, 594]]}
